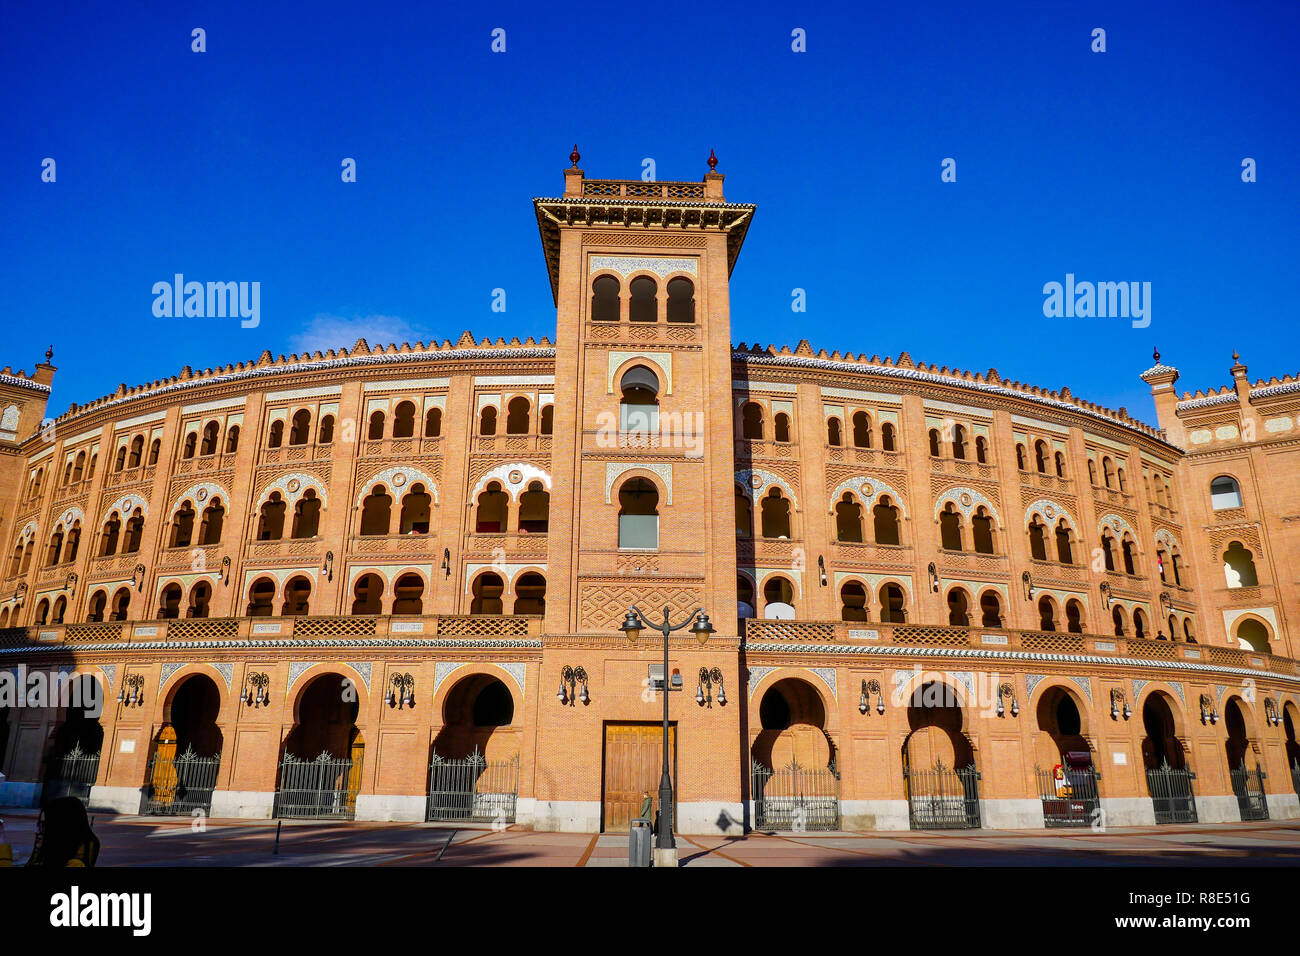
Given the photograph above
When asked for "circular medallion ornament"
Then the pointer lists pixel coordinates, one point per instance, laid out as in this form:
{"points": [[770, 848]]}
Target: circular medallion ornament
{"points": [[755, 481], [965, 500], [293, 485], [1049, 511], [1116, 524], [516, 476], [399, 479], [126, 504], [866, 490], [202, 494]]}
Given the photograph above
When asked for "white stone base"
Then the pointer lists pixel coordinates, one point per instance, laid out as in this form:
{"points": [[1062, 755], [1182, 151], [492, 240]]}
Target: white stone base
{"points": [[391, 808], [874, 815], [566, 816], [1283, 806], [1127, 812], [1011, 814], [1217, 810], [711, 818], [124, 800], [242, 804], [665, 857], [25, 795]]}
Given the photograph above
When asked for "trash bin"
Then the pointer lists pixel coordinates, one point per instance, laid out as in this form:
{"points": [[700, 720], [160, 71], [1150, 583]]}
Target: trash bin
{"points": [[638, 843]]}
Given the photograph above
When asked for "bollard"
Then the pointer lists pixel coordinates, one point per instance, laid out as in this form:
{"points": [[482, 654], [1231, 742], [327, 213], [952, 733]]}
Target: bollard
{"points": [[278, 824]]}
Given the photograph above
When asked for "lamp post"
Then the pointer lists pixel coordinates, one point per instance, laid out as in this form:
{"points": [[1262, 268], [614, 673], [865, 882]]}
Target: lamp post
{"points": [[633, 624]]}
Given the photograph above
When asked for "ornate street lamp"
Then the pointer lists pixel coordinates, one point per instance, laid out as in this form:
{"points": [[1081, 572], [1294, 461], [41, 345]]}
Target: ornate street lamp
{"points": [[633, 624]]}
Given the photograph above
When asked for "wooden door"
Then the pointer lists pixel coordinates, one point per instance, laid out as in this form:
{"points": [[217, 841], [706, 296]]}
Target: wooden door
{"points": [[633, 768], [163, 776]]}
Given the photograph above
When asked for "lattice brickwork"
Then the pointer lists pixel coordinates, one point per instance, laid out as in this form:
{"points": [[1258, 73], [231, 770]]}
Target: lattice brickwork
{"points": [[333, 626], [203, 629], [471, 625]]}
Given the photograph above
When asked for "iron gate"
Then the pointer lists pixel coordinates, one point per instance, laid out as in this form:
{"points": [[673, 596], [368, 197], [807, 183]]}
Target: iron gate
{"points": [[1172, 795], [473, 789], [943, 799], [1295, 777], [795, 798], [1248, 785], [324, 788], [71, 775], [180, 785], [1074, 800]]}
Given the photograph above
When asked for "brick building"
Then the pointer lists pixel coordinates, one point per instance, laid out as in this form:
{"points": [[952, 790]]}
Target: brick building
{"points": [[386, 582]]}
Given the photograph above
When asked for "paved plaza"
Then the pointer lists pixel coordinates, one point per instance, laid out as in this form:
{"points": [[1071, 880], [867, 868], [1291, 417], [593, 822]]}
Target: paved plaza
{"points": [[141, 841]]}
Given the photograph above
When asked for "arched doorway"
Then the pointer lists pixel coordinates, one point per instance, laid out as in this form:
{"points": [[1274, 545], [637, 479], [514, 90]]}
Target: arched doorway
{"points": [[186, 750], [1247, 784], [1169, 781], [1067, 779], [474, 760], [73, 763], [320, 772], [939, 769], [1290, 720], [793, 777]]}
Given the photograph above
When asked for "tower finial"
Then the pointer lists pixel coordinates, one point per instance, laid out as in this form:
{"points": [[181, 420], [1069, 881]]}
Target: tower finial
{"points": [[1235, 356], [1155, 354], [575, 156], [713, 162], [49, 354]]}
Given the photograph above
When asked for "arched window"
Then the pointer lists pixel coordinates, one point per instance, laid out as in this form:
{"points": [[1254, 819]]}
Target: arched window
{"points": [[981, 526], [98, 605], [950, 528], [368, 594], [1139, 624], [42, 612], [1064, 550], [744, 514], [276, 437], [1187, 631], [604, 299], [376, 511], [744, 597], [848, 519], [60, 609], [79, 468], [433, 423], [1117, 618], [260, 598], [155, 449], [408, 595], [547, 426], [1162, 563], [1123, 482], [134, 532], [487, 591], [853, 602], [27, 554], [751, 421], [300, 429], [1020, 457], [210, 525], [888, 441], [404, 420], [893, 609], [517, 416], [200, 600], [530, 593], [56, 547], [487, 421], [169, 602], [1040, 456], [833, 436], [781, 427], [777, 591], [935, 448], [210, 433], [297, 597], [375, 429], [535, 509], [94, 460], [1130, 555], [108, 537], [885, 520], [1239, 566], [861, 430], [183, 526], [1225, 493], [73, 542], [959, 442], [958, 608], [990, 610], [1173, 629], [774, 515], [1092, 471], [232, 439], [1037, 539], [416, 511], [1253, 635], [1176, 561], [681, 300], [638, 514], [1046, 614], [306, 516], [493, 506], [121, 604], [1107, 471], [639, 408], [1074, 616], [982, 450], [1060, 464], [1108, 549], [642, 306], [137, 451], [325, 431], [67, 472], [270, 522], [191, 440]]}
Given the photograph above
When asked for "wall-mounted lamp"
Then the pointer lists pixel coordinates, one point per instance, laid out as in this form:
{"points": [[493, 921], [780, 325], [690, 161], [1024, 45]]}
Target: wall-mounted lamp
{"points": [[137, 576], [225, 570], [570, 677], [133, 697], [446, 561], [1208, 712], [261, 682], [1116, 699], [1104, 588], [870, 687], [401, 693], [821, 570], [20, 592], [327, 568], [1027, 580], [704, 692], [70, 582], [1006, 690], [933, 572], [1271, 713]]}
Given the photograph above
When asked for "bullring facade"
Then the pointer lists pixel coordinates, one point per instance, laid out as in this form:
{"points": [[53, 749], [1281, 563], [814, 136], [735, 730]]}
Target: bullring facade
{"points": [[386, 582]]}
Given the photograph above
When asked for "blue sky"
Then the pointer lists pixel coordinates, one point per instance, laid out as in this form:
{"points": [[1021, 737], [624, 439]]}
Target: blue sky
{"points": [[1115, 166]]}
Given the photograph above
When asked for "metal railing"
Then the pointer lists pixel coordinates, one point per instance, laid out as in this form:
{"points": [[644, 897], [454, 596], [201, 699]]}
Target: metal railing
{"points": [[795, 798], [71, 775], [1172, 795], [1248, 785], [943, 799], [473, 790], [1072, 799], [180, 785], [324, 788]]}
